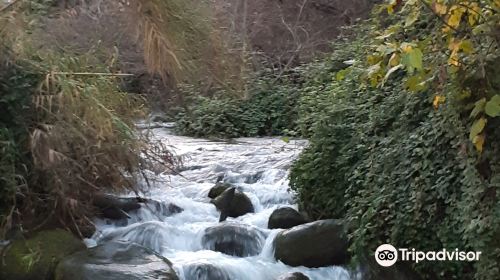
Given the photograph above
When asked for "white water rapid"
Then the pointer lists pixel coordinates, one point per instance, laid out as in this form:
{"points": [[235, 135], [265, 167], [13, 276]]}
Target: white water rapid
{"points": [[257, 166]]}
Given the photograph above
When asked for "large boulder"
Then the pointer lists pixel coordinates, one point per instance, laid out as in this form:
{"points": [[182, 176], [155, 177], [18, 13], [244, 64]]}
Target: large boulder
{"points": [[116, 261], [294, 276], [316, 244], [204, 271], [234, 239], [36, 258], [233, 203], [286, 218]]}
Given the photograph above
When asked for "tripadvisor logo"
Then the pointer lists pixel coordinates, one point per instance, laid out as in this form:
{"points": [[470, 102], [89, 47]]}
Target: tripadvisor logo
{"points": [[387, 255]]}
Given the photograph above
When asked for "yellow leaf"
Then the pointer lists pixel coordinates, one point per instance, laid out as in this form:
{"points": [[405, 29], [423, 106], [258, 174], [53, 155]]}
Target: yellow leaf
{"points": [[373, 59], [438, 100], [477, 128], [406, 48], [390, 7], [466, 46], [440, 9], [394, 60], [474, 13], [479, 142], [455, 16], [454, 46]]}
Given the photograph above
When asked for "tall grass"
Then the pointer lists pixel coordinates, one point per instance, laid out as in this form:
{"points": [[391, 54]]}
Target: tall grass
{"points": [[67, 134]]}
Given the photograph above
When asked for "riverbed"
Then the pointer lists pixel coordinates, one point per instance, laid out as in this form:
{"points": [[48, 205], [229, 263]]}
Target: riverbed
{"points": [[259, 167]]}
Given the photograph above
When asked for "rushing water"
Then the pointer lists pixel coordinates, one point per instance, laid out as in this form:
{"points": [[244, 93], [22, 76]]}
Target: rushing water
{"points": [[258, 166]]}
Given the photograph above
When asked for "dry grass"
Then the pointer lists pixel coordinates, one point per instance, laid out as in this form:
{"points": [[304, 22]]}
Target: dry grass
{"points": [[174, 34], [80, 135], [84, 142]]}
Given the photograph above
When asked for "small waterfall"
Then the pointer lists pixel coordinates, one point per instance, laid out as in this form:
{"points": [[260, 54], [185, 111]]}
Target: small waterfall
{"points": [[179, 222]]}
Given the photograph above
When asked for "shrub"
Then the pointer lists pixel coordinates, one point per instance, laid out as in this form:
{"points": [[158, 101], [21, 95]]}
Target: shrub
{"points": [[400, 171], [270, 109]]}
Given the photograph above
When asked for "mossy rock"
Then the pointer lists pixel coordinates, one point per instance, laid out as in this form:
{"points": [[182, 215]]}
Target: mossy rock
{"points": [[36, 258]]}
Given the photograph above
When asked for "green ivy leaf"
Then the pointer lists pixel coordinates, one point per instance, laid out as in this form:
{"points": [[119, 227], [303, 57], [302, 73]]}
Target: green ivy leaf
{"points": [[416, 58], [413, 59], [492, 107]]}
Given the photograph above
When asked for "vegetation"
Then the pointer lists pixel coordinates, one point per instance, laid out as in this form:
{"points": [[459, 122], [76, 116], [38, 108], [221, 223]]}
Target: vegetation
{"points": [[402, 119], [417, 170], [403, 136], [270, 109], [66, 130]]}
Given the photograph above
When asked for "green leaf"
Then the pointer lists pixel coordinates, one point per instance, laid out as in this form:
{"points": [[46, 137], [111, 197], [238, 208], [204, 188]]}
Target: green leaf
{"points": [[341, 74], [412, 18], [415, 83], [477, 128], [285, 139], [492, 108], [415, 58], [478, 108]]}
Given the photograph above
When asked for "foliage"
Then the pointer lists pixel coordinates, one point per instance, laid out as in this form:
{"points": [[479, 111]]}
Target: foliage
{"points": [[398, 168], [67, 133], [444, 43], [270, 109]]}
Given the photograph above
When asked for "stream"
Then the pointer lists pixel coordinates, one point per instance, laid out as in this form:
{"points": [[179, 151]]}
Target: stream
{"points": [[257, 166]]}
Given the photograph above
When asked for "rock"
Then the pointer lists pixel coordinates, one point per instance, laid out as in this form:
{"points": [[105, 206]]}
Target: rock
{"points": [[316, 244], [205, 271], [234, 239], [232, 203], [152, 235], [115, 261], [286, 218], [294, 276], [163, 209], [116, 208], [218, 189], [36, 258]]}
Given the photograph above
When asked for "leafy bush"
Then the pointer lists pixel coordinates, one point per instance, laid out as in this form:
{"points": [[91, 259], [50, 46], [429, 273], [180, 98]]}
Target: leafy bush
{"points": [[270, 109], [400, 170]]}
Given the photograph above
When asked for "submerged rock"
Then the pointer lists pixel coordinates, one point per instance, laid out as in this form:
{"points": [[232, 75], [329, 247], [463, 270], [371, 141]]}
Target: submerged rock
{"points": [[316, 244], [161, 208], [116, 208], [205, 271], [294, 276], [286, 218], [234, 239], [36, 258], [152, 235], [116, 261], [233, 203]]}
